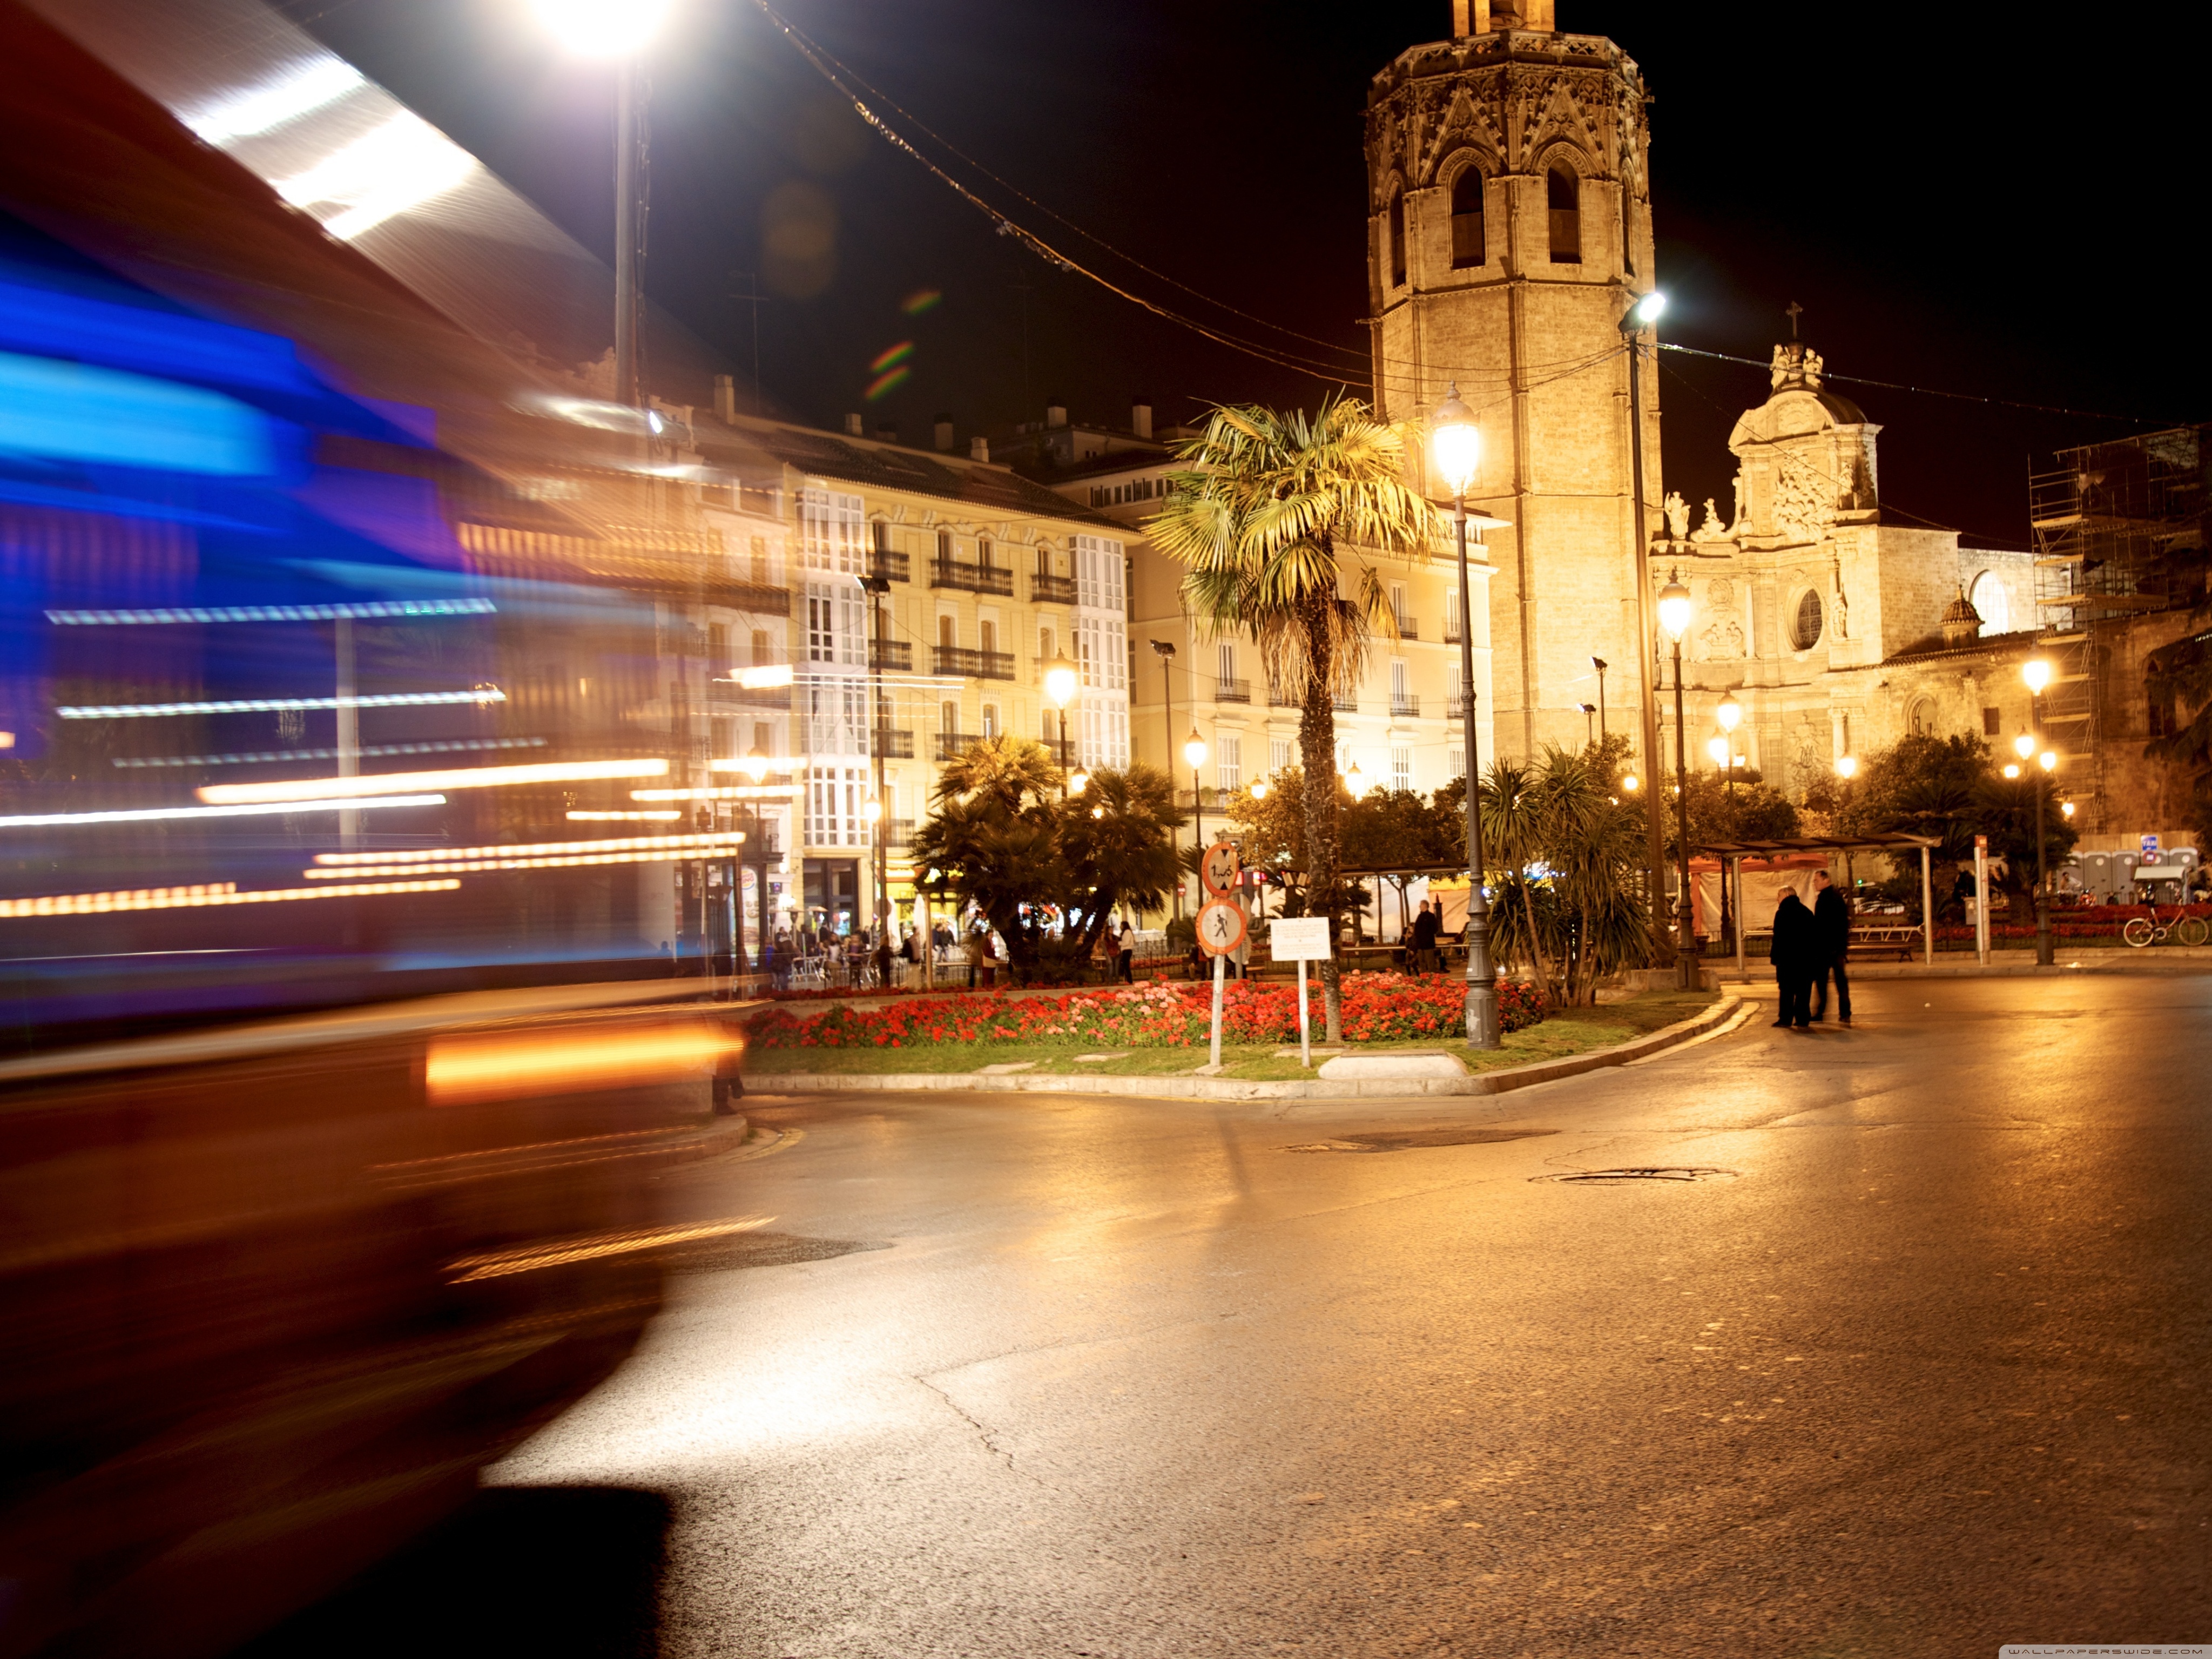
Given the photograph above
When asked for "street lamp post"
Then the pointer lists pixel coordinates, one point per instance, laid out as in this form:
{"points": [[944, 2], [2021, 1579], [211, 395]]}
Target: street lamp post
{"points": [[877, 587], [1599, 664], [1674, 608], [1194, 751], [1165, 651], [2037, 672], [1730, 716], [1590, 730], [1060, 679], [1640, 315], [1456, 441]]}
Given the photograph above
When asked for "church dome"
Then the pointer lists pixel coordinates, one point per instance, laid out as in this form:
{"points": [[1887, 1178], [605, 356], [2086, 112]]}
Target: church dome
{"points": [[1961, 621]]}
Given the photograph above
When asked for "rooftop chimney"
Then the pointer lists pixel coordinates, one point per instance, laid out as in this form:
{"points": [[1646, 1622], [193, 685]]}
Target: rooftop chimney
{"points": [[943, 433], [725, 399], [979, 448], [1140, 418], [1056, 413], [886, 435], [852, 426]]}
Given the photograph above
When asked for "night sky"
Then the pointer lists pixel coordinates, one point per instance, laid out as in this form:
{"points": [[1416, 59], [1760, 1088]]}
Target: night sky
{"points": [[1959, 197]]}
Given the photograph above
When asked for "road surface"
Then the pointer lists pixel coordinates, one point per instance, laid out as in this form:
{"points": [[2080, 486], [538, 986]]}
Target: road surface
{"points": [[1916, 1367]]}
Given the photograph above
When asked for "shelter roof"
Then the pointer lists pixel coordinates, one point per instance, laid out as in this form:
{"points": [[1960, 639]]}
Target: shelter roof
{"points": [[1883, 843]]}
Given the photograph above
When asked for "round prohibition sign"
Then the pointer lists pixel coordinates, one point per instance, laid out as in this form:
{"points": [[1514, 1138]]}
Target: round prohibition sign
{"points": [[1218, 869], [1220, 929]]}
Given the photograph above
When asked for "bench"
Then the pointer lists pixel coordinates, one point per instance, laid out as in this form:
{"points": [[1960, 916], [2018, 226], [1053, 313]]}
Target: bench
{"points": [[1904, 937]]}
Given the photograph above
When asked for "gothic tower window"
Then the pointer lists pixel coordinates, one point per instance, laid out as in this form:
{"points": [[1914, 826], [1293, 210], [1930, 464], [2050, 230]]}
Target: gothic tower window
{"points": [[1805, 625], [1563, 193], [1467, 219], [1397, 232]]}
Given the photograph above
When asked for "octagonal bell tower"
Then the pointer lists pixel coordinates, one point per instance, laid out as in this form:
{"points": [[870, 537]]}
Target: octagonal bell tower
{"points": [[1509, 228]]}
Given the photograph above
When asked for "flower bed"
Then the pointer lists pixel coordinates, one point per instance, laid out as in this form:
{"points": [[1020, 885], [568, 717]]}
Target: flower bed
{"points": [[1378, 1008]]}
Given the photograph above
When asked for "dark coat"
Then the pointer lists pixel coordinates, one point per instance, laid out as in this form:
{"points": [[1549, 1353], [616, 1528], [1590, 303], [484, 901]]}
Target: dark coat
{"points": [[1831, 923], [1795, 949], [1425, 930]]}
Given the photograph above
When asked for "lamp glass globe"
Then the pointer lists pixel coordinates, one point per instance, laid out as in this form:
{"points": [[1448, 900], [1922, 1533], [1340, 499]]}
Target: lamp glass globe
{"points": [[2023, 746], [1060, 678], [1674, 607], [1729, 713], [2037, 672], [603, 29]]}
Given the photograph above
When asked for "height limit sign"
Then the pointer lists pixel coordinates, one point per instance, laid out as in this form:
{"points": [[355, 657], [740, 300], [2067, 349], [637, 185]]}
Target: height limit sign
{"points": [[1217, 868]]}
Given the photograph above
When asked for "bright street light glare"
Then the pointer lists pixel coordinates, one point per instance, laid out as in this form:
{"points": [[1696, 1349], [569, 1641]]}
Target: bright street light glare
{"points": [[2048, 760], [1847, 767], [1729, 713], [2010, 770], [1456, 442], [1059, 677], [603, 29], [2023, 746], [1077, 782], [2037, 672], [1719, 749], [1674, 608], [1646, 311], [1194, 749]]}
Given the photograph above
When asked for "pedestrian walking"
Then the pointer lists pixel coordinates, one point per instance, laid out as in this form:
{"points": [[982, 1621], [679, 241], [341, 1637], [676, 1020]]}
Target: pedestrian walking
{"points": [[1831, 925], [1425, 928], [1125, 952], [1796, 951]]}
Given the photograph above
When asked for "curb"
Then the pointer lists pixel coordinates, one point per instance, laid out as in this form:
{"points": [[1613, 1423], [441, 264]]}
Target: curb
{"points": [[1218, 1088]]}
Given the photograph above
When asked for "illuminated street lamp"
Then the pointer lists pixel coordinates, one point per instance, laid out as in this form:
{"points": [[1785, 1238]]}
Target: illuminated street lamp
{"points": [[1078, 781], [1674, 608], [755, 763], [1456, 443], [617, 30], [2011, 770], [2037, 672], [1060, 681], [1194, 751], [1259, 789], [1730, 716], [1718, 750], [1847, 767]]}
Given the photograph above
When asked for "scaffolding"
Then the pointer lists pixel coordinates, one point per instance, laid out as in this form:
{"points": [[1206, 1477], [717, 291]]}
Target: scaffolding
{"points": [[2119, 533]]}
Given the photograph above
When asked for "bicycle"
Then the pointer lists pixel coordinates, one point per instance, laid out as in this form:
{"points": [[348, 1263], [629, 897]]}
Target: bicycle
{"points": [[2144, 931]]}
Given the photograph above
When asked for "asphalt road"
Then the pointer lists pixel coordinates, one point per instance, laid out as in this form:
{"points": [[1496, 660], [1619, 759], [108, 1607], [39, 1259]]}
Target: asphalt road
{"points": [[1920, 1369]]}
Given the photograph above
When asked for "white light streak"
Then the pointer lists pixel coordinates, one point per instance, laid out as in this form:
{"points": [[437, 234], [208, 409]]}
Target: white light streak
{"points": [[255, 613], [760, 679], [728, 792], [625, 818], [399, 165], [294, 92], [263, 757], [199, 897], [132, 711], [658, 846], [259, 809], [467, 777]]}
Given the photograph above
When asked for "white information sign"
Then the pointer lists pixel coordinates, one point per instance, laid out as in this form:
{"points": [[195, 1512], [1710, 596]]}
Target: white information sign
{"points": [[1303, 939]]}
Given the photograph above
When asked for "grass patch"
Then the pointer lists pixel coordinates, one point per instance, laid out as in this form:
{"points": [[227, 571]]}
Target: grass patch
{"points": [[1569, 1032]]}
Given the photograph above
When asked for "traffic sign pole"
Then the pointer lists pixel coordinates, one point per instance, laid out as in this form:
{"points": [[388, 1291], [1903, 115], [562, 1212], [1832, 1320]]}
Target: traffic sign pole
{"points": [[1218, 972], [1981, 899]]}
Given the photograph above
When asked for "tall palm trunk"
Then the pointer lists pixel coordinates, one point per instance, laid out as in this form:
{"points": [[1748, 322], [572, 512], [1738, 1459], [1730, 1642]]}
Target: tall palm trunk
{"points": [[1317, 750], [1535, 940]]}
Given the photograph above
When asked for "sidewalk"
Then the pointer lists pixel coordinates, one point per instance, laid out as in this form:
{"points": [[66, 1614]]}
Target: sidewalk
{"points": [[2153, 959]]}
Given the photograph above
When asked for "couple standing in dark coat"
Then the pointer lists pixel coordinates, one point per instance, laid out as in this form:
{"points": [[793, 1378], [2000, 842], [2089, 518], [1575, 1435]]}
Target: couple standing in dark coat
{"points": [[1809, 947]]}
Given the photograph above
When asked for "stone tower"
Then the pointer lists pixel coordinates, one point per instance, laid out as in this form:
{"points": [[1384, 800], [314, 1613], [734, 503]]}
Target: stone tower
{"points": [[1509, 229]]}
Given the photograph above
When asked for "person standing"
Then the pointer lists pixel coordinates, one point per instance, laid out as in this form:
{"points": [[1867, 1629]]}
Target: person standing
{"points": [[1125, 951], [1832, 924], [1795, 953], [1426, 926]]}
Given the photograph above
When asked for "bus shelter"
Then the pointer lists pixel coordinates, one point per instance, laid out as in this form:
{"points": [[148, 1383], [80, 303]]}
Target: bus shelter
{"points": [[1782, 849]]}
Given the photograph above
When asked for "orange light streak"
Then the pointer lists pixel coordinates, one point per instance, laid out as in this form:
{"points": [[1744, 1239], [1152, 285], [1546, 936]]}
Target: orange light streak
{"points": [[199, 896], [466, 777], [460, 1070]]}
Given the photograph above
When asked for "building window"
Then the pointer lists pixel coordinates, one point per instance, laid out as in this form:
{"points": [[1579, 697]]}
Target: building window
{"points": [[759, 549], [1563, 195], [1991, 604], [1397, 234], [1224, 665], [1467, 219], [761, 648], [1044, 645], [718, 644], [990, 719], [1458, 761], [1279, 755], [948, 718], [718, 736], [763, 736], [1804, 623], [1401, 769], [1229, 748], [982, 556], [986, 635], [945, 634], [1992, 723], [944, 547], [1921, 722], [1044, 560]]}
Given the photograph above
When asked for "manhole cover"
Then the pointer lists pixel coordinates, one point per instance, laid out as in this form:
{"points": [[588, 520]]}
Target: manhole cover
{"points": [[1400, 1140], [1643, 1172], [715, 1255]]}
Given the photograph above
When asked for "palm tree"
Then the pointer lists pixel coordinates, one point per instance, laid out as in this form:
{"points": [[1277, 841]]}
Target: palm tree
{"points": [[1272, 518]]}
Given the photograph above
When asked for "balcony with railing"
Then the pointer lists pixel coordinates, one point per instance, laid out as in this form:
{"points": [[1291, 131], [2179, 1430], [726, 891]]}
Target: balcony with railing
{"points": [[1281, 696], [951, 745], [1455, 709], [894, 566], [1408, 628], [1451, 629], [893, 744], [1405, 706], [1346, 703], [971, 578], [765, 699], [1052, 590], [898, 832], [974, 664], [1232, 691], [891, 656]]}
